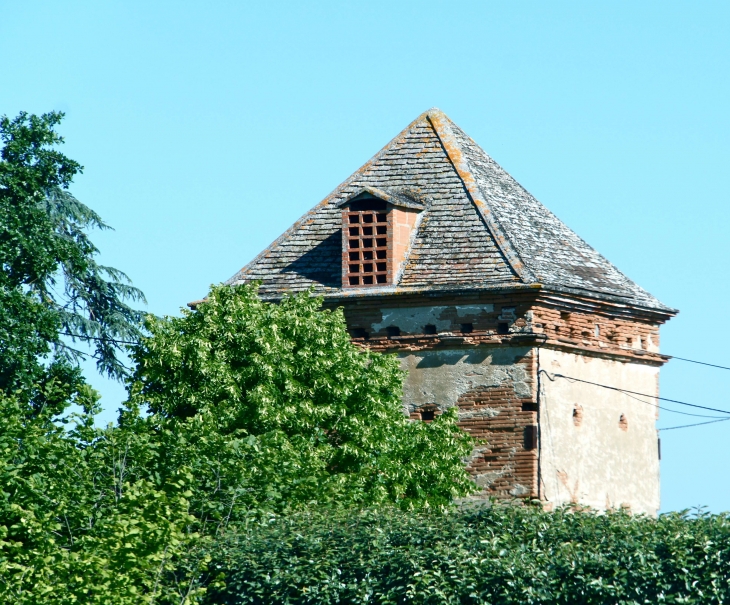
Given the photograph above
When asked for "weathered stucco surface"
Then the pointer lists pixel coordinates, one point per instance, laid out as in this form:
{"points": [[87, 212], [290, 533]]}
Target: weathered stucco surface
{"points": [[440, 377], [588, 454], [411, 320]]}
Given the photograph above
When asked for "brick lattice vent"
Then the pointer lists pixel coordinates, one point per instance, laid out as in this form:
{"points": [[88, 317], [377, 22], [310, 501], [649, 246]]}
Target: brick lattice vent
{"points": [[367, 248]]}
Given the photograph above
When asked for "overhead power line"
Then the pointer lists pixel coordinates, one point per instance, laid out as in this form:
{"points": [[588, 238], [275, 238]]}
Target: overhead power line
{"points": [[665, 409], [686, 426], [99, 338], [702, 363]]}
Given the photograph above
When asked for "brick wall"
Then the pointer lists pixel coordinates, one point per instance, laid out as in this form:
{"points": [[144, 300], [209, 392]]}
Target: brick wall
{"points": [[603, 328], [403, 221], [506, 466], [504, 461], [595, 330]]}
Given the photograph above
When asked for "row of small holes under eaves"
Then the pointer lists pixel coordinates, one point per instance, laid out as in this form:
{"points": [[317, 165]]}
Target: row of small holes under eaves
{"points": [[597, 332], [429, 329]]}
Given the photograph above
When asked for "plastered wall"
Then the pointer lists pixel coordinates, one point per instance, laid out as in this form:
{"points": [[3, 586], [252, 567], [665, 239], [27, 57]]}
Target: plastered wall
{"points": [[598, 447]]}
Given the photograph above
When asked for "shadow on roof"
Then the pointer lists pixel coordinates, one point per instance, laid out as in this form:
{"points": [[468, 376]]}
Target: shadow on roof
{"points": [[322, 264]]}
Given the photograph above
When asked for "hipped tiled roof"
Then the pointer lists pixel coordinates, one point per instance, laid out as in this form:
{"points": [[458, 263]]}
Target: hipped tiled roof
{"points": [[480, 229]]}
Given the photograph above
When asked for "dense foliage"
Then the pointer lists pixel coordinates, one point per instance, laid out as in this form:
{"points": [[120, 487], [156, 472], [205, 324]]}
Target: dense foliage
{"points": [[76, 526], [506, 555], [238, 408], [277, 408]]}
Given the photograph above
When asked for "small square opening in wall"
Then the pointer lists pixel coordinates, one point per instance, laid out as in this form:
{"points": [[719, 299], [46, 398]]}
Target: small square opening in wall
{"points": [[467, 328], [577, 414], [429, 329], [354, 280], [359, 333], [393, 331], [428, 415], [502, 327], [381, 279], [623, 423]]}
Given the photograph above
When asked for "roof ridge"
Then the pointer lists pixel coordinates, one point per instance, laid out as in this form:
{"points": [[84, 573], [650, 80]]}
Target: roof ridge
{"points": [[328, 198], [441, 124]]}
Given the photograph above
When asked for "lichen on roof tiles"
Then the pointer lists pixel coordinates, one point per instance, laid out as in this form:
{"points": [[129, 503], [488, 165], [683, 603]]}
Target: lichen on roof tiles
{"points": [[480, 228]]}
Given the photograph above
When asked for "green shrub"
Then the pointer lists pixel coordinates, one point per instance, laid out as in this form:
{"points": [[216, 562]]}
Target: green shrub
{"points": [[503, 554]]}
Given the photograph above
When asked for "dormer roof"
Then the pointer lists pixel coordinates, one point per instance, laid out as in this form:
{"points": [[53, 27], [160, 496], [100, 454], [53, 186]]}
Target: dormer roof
{"points": [[399, 199], [479, 229]]}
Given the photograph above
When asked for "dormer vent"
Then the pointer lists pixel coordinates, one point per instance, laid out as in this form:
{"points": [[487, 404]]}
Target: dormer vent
{"points": [[376, 233]]}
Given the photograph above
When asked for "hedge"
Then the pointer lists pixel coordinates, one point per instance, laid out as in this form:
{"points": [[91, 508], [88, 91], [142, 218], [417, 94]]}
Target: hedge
{"points": [[498, 555]]}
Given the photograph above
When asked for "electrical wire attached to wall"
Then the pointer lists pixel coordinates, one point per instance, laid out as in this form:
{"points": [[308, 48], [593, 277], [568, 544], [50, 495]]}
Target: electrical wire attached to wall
{"points": [[713, 420]]}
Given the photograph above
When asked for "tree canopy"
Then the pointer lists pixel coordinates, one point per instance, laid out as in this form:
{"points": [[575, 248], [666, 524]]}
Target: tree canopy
{"points": [[308, 415], [53, 292], [237, 410]]}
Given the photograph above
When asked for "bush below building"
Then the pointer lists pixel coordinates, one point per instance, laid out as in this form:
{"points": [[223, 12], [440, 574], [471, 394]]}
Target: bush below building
{"points": [[505, 555]]}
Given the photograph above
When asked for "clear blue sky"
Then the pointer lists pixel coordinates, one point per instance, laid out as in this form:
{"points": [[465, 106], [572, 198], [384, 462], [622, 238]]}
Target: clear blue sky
{"points": [[206, 129]]}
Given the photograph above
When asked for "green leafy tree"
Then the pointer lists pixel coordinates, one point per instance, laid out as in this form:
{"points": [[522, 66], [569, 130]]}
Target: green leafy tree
{"points": [[52, 291], [275, 407], [79, 522]]}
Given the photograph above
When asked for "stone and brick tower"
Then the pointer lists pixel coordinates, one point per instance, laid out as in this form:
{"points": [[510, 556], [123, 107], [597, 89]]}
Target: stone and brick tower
{"points": [[494, 306]]}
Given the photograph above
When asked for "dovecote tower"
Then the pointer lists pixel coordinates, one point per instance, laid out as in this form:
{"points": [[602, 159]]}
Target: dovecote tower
{"points": [[493, 306]]}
